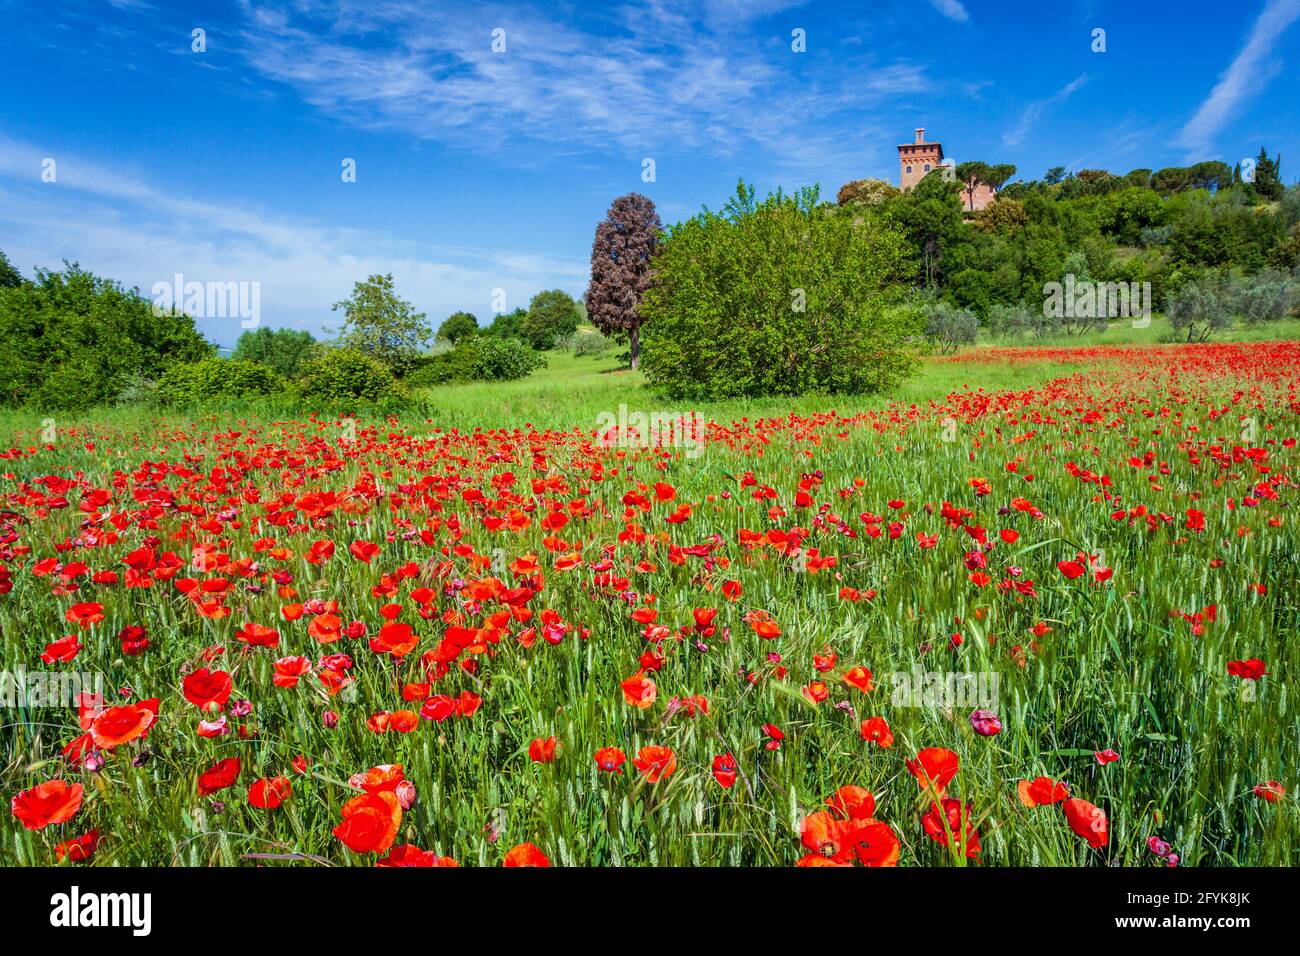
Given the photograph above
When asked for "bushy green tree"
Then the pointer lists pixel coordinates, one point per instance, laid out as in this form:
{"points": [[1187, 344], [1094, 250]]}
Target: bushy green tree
{"points": [[778, 297], [73, 340], [1266, 296], [215, 380], [866, 192], [1268, 178], [1201, 307], [479, 358], [345, 378], [456, 326], [507, 325], [280, 349], [552, 316], [950, 328], [9, 276], [929, 216], [380, 323]]}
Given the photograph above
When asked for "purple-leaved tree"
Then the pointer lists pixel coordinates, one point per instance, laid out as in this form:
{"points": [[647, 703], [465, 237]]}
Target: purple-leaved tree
{"points": [[625, 243]]}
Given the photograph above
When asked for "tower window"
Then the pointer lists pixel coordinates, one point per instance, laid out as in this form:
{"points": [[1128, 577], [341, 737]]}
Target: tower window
{"points": [[909, 169], [927, 167]]}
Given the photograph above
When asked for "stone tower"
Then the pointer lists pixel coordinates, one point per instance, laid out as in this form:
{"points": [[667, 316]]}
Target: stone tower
{"points": [[916, 159]]}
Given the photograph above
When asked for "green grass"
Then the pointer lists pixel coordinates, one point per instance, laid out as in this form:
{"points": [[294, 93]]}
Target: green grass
{"points": [[1116, 670]]}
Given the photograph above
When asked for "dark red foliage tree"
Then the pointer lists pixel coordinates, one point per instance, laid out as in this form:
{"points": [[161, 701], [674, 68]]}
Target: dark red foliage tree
{"points": [[625, 243]]}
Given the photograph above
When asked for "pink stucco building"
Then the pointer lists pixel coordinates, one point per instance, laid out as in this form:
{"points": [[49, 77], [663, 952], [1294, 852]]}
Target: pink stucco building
{"points": [[918, 158]]}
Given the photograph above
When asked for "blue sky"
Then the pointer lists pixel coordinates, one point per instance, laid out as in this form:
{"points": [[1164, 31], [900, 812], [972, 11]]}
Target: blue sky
{"points": [[480, 170]]}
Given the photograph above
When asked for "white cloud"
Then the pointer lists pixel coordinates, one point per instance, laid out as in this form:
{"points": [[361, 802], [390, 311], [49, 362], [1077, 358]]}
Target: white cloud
{"points": [[127, 229], [1246, 76], [644, 81], [952, 9], [1014, 137]]}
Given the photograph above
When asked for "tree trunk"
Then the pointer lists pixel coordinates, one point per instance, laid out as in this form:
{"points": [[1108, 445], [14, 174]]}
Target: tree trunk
{"points": [[634, 339]]}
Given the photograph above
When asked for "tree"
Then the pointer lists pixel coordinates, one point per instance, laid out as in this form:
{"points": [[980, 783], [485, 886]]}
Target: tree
{"points": [[508, 325], [280, 349], [1268, 179], [378, 323], [9, 276], [779, 297], [1201, 307], [72, 340], [552, 316], [1054, 175], [457, 326], [930, 217], [625, 243], [950, 328], [869, 192], [1001, 216], [972, 174]]}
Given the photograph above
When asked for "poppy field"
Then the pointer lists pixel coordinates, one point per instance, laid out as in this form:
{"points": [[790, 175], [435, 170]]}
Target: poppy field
{"points": [[1044, 623]]}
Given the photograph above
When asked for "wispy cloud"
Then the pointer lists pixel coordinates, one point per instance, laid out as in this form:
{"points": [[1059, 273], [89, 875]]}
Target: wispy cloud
{"points": [[142, 233], [642, 81], [1247, 75], [952, 9], [1016, 136]]}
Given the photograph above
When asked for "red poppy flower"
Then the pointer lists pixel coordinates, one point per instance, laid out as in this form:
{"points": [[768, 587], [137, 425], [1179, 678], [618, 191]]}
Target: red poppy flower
{"points": [[953, 823], [542, 750], [258, 635], [639, 690], [934, 767], [207, 690], [62, 650], [120, 725], [85, 615], [1250, 669], [655, 762], [219, 776], [408, 855], [610, 759], [876, 730], [853, 802], [858, 678], [370, 822], [80, 849], [525, 854], [46, 803], [1087, 820], [269, 793], [1041, 791], [725, 770], [1272, 791]]}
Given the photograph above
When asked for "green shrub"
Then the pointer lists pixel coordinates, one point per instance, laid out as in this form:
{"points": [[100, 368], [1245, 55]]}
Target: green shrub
{"points": [[552, 315], [504, 360], [478, 359], [281, 349], [70, 340], [347, 377], [213, 380], [1015, 319], [1201, 307], [950, 328], [781, 297], [590, 343], [1265, 297], [456, 326]]}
